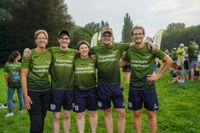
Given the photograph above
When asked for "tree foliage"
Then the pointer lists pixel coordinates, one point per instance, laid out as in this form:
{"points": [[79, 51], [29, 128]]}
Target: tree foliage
{"points": [[127, 27], [177, 33], [20, 19]]}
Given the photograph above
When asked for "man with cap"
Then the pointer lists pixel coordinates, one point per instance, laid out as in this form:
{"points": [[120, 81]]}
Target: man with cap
{"points": [[62, 81], [109, 89], [180, 54]]}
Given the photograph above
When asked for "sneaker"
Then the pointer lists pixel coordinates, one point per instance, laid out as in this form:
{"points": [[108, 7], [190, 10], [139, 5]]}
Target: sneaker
{"points": [[21, 111], [10, 114], [2, 106]]}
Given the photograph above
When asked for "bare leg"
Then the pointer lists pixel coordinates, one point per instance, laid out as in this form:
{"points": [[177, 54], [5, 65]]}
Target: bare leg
{"points": [[66, 121], [80, 121], [137, 121], [121, 120], [55, 122], [108, 120], [152, 121], [93, 120]]}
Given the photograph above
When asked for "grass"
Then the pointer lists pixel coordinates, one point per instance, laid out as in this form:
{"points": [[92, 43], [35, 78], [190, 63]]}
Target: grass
{"points": [[179, 111]]}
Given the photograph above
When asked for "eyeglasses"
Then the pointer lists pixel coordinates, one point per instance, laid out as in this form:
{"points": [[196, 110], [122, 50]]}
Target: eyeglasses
{"points": [[66, 38], [135, 34], [41, 38], [107, 36]]}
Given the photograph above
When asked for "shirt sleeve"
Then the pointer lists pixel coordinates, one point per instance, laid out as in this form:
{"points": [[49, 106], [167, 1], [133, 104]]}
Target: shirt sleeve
{"points": [[25, 62], [160, 54], [6, 67], [123, 47], [126, 57]]}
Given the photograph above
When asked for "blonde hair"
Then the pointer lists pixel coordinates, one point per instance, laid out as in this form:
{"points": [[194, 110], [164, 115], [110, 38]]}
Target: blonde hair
{"points": [[39, 32], [137, 27]]}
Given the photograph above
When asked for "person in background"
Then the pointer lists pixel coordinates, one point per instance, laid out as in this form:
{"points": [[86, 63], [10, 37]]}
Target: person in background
{"points": [[85, 93], [35, 82], [180, 54], [12, 78], [173, 54], [185, 70], [193, 49]]}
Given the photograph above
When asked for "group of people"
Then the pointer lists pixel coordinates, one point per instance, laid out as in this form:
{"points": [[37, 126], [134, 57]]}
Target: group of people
{"points": [[186, 62], [73, 84]]}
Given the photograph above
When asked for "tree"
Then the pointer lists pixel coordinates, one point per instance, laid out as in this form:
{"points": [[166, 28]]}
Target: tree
{"points": [[127, 27], [177, 33], [27, 16]]}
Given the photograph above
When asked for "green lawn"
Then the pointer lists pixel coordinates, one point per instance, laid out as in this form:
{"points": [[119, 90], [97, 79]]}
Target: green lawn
{"points": [[179, 111]]}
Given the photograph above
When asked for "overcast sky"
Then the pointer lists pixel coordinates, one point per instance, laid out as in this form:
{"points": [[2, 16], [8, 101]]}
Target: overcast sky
{"points": [[152, 14]]}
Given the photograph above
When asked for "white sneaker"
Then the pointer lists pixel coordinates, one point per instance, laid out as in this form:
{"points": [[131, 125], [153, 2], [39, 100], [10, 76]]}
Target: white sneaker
{"points": [[10, 114]]}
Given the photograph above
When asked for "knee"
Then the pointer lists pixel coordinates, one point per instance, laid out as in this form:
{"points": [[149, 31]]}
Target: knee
{"points": [[93, 114], [121, 113], [137, 114], [108, 112], [56, 117], [80, 116], [66, 116], [151, 114]]}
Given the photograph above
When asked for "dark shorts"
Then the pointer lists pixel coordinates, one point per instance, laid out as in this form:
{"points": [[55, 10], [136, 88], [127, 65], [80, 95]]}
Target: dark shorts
{"points": [[139, 97], [85, 100], [108, 93], [61, 98]]}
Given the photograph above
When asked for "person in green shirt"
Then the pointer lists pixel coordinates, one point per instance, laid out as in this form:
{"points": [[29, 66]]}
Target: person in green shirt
{"points": [[62, 80], [142, 86], [85, 95], [35, 82], [193, 49], [180, 52], [12, 78], [62, 75], [109, 90]]}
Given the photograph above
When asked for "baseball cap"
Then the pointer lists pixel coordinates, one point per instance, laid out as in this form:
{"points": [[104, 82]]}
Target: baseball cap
{"points": [[63, 32], [106, 29], [181, 45]]}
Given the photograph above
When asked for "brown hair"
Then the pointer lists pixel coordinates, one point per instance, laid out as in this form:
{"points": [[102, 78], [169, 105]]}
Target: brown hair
{"points": [[13, 56], [137, 27], [82, 42]]}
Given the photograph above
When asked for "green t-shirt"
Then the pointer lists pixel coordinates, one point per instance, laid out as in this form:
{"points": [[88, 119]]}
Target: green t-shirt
{"points": [[142, 61], [38, 65], [193, 51], [13, 70], [107, 59], [180, 53], [85, 73], [62, 71]]}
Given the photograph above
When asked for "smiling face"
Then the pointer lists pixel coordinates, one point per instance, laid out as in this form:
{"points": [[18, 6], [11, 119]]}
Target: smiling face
{"points": [[138, 36], [107, 38], [64, 41], [83, 50], [41, 40]]}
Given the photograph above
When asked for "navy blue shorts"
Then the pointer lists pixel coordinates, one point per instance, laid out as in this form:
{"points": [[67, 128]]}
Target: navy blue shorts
{"points": [[61, 98], [137, 98], [85, 100], [108, 94]]}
